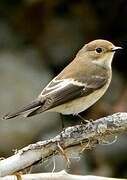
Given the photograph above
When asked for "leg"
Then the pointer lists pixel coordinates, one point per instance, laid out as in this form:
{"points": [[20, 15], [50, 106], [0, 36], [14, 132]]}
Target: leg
{"points": [[84, 121], [62, 121]]}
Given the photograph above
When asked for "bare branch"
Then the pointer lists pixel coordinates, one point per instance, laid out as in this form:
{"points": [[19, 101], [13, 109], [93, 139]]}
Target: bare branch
{"points": [[62, 175], [76, 138]]}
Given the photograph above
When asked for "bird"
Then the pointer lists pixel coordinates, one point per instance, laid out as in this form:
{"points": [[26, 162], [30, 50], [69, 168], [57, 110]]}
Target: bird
{"points": [[79, 85]]}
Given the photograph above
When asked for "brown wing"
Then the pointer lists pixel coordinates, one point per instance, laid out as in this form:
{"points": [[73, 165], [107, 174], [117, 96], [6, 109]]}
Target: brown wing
{"points": [[57, 94]]}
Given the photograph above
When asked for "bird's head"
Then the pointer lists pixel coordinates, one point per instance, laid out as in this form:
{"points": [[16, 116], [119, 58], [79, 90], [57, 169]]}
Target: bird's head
{"points": [[99, 52]]}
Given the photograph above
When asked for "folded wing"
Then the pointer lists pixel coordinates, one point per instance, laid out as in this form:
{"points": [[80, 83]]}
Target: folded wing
{"points": [[59, 91]]}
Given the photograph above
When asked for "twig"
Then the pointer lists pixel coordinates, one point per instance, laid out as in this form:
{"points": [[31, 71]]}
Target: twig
{"points": [[72, 138]]}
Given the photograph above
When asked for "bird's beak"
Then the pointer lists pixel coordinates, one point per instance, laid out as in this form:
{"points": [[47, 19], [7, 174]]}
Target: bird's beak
{"points": [[115, 48]]}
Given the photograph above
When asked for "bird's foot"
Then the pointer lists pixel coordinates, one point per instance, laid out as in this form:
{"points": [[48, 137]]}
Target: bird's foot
{"points": [[85, 121]]}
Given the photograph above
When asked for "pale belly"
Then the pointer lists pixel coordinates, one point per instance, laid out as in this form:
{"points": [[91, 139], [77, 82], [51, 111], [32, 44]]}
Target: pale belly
{"points": [[81, 104]]}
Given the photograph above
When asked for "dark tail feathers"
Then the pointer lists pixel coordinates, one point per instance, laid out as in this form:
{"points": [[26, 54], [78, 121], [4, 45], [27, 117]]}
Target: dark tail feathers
{"points": [[35, 104]]}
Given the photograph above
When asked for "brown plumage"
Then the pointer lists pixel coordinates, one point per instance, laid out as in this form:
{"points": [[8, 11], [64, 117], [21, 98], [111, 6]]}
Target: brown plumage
{"points": [[79, 85]]}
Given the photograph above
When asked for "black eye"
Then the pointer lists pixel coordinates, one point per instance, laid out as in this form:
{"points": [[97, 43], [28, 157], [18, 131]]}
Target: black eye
{"points": [[98, 50]]}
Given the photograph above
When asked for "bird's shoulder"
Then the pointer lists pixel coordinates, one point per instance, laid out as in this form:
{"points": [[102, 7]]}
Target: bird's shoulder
{"points": [[73, 77], [67, 87]]}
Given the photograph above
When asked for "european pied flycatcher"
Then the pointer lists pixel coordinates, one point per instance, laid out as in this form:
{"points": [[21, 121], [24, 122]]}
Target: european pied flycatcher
{"points": [[79, 85]]}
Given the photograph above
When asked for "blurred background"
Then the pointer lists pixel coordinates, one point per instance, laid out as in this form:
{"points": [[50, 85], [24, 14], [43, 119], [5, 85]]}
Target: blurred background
{"points": [[37, 39]]}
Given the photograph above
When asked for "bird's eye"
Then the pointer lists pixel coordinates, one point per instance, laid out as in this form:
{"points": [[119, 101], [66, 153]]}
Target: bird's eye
{"points": [[98, 50]]}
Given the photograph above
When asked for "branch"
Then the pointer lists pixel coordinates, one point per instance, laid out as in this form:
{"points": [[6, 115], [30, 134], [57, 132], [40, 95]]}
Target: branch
{"points": [[62, 175], [76, 138]]}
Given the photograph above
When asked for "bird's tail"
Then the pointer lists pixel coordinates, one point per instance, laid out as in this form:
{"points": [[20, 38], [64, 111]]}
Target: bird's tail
{"points": [[26, 111]]}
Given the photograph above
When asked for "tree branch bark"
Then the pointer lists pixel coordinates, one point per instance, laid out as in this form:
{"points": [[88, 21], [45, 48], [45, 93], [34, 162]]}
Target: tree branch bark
{"points": [[62, 175], [76, 138]]}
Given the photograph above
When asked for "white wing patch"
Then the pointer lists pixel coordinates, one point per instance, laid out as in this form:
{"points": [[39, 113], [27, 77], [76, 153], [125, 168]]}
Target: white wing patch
{"points": [[58, 84]]}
